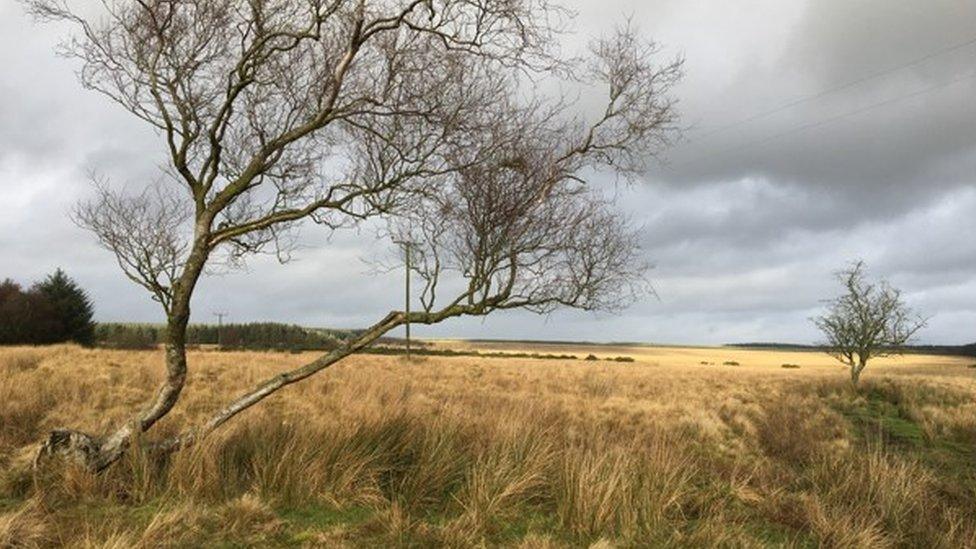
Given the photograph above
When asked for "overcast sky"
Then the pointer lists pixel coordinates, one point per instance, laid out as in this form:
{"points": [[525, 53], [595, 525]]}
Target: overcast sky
{"points": [[820, 131]]}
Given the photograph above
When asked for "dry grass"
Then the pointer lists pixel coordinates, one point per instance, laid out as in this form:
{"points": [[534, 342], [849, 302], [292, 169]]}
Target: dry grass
{"points": [[463, 452]]}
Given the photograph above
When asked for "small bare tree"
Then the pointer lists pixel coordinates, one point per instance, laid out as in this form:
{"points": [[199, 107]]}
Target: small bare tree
{"points": [[424, 113], [868, 320]]}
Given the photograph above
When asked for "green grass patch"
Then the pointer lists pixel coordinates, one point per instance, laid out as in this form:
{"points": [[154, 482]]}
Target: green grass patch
{"points": [[531, 521], [320, 517], [880, 416], [770, 534], [877, 417]]}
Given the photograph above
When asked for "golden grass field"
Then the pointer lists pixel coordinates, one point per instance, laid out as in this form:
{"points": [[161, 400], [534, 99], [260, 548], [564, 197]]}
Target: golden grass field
{"points": [[474, 452]]}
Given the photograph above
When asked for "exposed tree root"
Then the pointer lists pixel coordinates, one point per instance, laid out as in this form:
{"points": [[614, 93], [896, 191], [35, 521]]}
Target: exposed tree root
{"points": [[88, 451], [71, 445]]}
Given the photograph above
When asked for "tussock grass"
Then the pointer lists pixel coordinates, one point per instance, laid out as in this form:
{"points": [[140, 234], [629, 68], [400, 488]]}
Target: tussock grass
{"points": [[26, 526], [466, 452]]}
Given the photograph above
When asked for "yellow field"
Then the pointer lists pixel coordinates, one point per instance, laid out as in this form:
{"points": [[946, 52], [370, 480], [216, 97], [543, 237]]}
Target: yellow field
{"points": [[467, 451], [753, 361]]}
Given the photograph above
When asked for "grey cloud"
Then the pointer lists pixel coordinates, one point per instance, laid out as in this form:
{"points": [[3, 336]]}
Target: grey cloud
{"points": [[893, 155], [744, 227], [841, 40]]}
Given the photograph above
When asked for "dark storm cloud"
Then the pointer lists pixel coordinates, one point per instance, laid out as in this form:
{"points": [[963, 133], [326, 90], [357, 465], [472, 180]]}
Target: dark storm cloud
{"points": [[894, 140], [752, 217], [744, 224]]}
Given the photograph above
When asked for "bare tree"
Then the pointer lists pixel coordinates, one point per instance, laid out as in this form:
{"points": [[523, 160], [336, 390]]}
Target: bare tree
{"points": [[868, 320], [425, 113]]}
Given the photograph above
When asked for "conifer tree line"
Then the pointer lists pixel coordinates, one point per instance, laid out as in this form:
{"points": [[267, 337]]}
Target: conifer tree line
{"points": [[54, 310], [252, 335], [58, 310]]}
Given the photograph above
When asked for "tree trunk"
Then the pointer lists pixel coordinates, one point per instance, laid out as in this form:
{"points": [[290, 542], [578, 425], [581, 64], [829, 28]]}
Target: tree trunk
{"points": [[856, 370], [272, 385], [96, 453]]}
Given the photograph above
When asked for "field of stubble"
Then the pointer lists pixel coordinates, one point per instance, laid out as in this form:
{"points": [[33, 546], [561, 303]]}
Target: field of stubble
{"points": [[675, 449]]}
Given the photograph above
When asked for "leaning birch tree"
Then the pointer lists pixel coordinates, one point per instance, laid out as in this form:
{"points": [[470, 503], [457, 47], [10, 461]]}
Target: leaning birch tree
{"points": [[427, 114]]}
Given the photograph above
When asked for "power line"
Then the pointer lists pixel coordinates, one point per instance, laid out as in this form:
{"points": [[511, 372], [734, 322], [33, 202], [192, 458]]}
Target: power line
{"points": [[842, 116], [839, 87]]}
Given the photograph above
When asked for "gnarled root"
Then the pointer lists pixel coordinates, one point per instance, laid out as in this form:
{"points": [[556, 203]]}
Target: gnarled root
{"points": [[73, 446]]}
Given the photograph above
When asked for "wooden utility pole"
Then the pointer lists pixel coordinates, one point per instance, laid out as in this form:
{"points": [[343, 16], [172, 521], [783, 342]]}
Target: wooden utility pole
{"points": [[220, 328], [406, 303]]}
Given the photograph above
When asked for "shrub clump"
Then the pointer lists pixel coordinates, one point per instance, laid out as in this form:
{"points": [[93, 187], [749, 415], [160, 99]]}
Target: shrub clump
{"points": [[730, 363], [791, 366]]}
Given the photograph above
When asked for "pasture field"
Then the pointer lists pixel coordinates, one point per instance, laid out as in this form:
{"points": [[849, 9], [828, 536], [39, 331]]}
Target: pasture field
{"points": [[680, 448]]}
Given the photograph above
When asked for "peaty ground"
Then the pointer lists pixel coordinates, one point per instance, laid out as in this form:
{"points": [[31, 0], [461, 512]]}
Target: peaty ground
{"points": [[679, 448]]}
